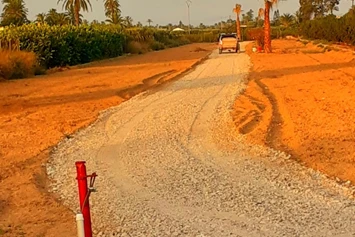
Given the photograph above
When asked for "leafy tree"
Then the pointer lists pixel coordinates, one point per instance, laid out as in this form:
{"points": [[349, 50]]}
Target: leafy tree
{"points": [[276, 18], [298, 17], [332, 5], [181, 25], [14, 12], [169, 26], [250, 15], [78, 6], [261, 14], [306, 10], [317, 8]]}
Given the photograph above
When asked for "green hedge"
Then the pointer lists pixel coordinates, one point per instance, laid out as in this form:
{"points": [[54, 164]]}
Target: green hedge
{"points": [[67, 45], [331, 28], [70, 45]]}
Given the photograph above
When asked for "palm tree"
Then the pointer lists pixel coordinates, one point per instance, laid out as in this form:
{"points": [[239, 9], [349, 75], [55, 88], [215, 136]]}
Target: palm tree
{"points": [[116, 20], [78, 5], [287, 20], [149, 22], [267, 27], [113, 11], [62, 19], [51, 17], [298, 17], [139, 24], [128, 21], [71, 16], [237, 10], [55, 18], [41, 18], [14, 12]]}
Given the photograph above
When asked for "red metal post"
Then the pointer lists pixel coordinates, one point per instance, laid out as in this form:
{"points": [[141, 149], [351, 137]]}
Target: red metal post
{"points": [[84, 196]]}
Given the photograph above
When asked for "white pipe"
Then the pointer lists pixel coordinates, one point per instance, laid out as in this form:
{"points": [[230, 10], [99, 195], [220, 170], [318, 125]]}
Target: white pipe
{"points": [[80, 225]]}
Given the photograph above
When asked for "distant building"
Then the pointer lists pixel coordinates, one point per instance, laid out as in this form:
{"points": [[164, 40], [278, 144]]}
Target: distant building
{"points": [[178, 29]]}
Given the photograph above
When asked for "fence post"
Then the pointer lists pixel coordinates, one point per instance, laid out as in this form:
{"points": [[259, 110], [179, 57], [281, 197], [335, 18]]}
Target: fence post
{"points": [[84, 194]]}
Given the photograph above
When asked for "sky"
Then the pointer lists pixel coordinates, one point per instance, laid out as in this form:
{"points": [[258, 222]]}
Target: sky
{"points": [[163, 12]]}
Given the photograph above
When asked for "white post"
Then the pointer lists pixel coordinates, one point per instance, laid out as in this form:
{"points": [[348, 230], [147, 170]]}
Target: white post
{"points": [[80, 225], [188, 3]]}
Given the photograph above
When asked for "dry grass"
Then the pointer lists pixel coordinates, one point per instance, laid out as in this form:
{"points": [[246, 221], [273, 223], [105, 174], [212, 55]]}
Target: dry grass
{"points": [[17, 64]]}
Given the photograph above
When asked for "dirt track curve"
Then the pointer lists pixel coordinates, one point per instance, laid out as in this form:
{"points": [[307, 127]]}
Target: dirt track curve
{"points": [[172, 163]]}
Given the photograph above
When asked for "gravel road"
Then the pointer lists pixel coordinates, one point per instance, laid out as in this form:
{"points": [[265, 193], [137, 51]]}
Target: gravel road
{"points": [[170, 163]]}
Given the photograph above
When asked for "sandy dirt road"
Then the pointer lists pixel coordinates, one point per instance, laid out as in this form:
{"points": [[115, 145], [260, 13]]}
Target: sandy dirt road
{"points": [[171, 163], [36, 113]]}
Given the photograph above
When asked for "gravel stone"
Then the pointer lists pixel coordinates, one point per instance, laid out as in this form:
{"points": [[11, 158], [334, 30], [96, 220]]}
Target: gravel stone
{"points": [[170, 163]]}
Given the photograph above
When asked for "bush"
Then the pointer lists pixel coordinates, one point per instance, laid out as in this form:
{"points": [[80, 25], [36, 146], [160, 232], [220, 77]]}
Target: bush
{"points": [[67, 45], [58, 46], [17, 64], [331, 29], [156, 46], [256, 34], [135, 47]]}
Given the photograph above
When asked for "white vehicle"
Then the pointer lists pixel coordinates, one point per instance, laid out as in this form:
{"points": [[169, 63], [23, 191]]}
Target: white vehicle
{"points": [[228, 42]]}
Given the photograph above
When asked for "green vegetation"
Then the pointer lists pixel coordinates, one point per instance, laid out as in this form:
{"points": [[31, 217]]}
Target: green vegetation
{"points": [[67, 45], [17, 64], [71, 45], [331, 29]]}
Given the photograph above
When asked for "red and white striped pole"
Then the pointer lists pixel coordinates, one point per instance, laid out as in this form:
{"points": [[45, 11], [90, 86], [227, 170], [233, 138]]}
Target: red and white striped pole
{"points": [[84, 194]]}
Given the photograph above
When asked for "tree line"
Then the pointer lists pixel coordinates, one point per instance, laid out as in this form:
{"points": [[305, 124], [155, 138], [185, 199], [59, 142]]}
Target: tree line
{"points": [[15, 13]]}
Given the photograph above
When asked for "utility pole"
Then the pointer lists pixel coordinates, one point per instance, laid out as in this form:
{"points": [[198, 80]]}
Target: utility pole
{"points": [[188, 3]]}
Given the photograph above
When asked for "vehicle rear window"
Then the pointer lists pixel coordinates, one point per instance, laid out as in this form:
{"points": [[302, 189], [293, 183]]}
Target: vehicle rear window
{"points": [[228, 36]]}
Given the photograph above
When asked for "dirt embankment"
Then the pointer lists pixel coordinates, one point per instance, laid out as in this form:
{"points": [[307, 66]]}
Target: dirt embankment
{"points": [[36, 113], [300, 100]]}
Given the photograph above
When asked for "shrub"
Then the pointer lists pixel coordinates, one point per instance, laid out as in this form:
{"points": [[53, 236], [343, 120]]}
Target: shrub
{"points": [[17, 64], [68, 45], [135, 47], [256, 34], [331, 29], [58, 46], [156, 46]]}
